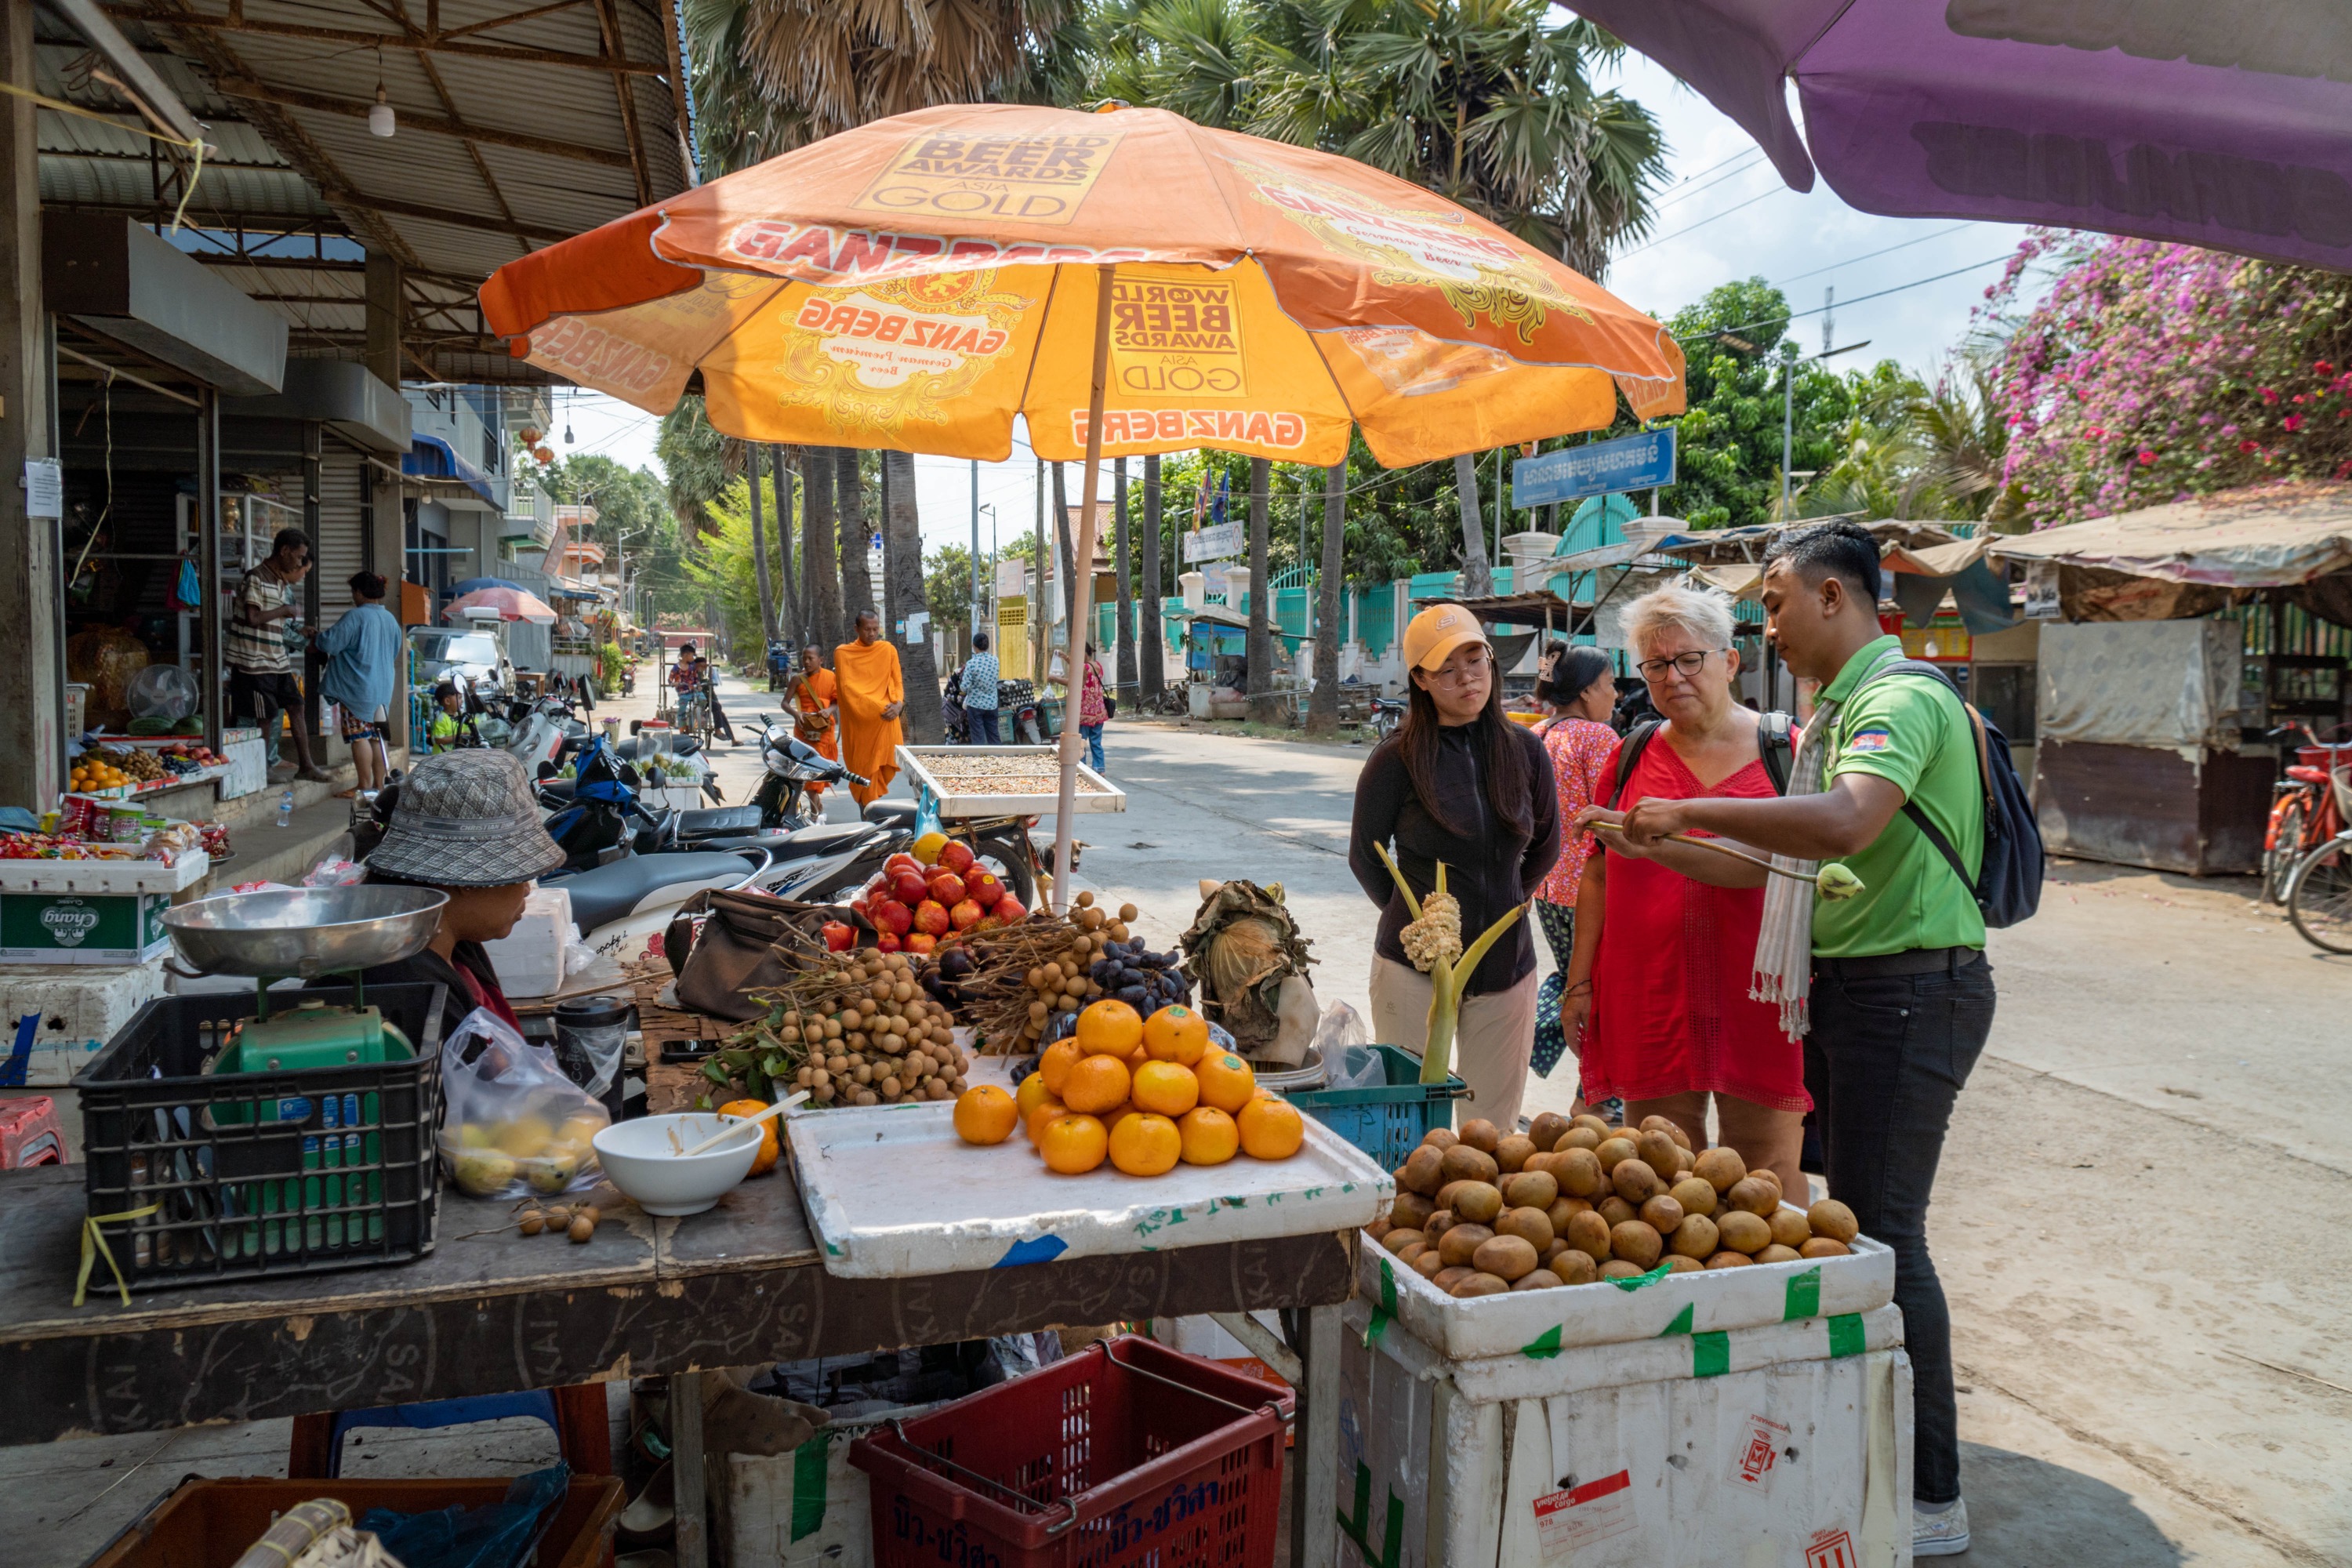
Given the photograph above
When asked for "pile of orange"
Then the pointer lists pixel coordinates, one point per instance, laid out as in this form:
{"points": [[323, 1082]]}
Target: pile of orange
{"points": [[94, 773], [1143, 1093]]}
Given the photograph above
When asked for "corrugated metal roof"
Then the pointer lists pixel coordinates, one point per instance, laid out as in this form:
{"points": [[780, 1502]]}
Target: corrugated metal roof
{"points": [[509, 135]]}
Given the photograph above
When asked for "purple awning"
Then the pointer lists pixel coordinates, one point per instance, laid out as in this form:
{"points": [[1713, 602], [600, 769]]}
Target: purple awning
{"points": [[2223, 126]]}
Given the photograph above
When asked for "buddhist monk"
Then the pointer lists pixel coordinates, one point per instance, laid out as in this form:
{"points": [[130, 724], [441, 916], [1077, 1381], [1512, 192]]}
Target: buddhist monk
{"points": [[871, 694], [814, 702]]}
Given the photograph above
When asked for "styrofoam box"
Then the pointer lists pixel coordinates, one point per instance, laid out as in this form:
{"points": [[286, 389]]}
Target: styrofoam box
{"points": [[1603, 1313], [103, 876], [1622, 1457], [530, 958], [80, 1008], [804, 1509], [892, 1192]]}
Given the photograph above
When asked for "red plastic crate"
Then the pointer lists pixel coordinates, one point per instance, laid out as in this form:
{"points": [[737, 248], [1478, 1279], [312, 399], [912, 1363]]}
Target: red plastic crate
{"points": [[1127, 1453]]}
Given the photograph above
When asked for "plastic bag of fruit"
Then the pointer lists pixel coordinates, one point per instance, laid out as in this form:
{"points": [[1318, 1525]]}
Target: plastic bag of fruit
{"points": [[512, 1123]]}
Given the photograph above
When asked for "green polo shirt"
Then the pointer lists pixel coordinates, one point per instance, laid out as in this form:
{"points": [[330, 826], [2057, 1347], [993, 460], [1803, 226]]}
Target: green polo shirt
{"points": [[1911, 731]]}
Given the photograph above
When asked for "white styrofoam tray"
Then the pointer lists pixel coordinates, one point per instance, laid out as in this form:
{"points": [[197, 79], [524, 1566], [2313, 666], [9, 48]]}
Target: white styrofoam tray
{"points": [[1105, 797], [103, 876], [892, 1192], [1603, 1313]]}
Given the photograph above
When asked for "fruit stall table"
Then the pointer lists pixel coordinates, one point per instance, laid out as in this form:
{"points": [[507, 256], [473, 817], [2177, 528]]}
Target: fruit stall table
{"points": [[741, 1285]]}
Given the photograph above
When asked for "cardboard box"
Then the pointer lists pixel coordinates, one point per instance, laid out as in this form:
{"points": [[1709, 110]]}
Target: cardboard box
{"points": [[82, 928]]}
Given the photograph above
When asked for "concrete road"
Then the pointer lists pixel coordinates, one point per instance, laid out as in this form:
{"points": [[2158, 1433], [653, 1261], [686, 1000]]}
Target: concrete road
{"points": [[2140, 1222]]}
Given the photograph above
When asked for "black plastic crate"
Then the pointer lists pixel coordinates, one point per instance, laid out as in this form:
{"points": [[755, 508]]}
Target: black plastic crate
{"points": [[266, 1173]]}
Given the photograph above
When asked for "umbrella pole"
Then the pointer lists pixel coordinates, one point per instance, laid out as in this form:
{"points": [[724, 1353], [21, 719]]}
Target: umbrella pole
{"points": [[1082, 560]]}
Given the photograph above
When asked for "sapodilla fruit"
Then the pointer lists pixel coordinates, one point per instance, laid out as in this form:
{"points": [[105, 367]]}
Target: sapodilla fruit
{"points": [[1721, 1168]]}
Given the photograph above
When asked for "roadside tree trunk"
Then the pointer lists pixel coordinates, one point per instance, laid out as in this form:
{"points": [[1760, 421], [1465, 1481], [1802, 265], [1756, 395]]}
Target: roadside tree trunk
{"points": [[856, 540], [903, 557], [760, 549], [1124, 616], [818, 548], [1263, 707], [1478, 582], [1323, 705], [788, 600], [1151, 658]]}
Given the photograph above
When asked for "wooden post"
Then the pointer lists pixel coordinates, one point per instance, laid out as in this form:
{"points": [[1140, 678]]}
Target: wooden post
{"points": [[1151, 652], [1082, 606], [32, 681], [1323, 702], [1314, 1489], [691, 1540]]}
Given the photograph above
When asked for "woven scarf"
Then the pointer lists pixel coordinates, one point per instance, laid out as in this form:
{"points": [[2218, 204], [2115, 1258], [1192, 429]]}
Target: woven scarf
{"points": [[1783, 973]]}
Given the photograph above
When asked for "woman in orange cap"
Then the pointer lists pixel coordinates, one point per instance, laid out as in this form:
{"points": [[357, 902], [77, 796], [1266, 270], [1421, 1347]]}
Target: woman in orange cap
{"points": [[1458, 782]]}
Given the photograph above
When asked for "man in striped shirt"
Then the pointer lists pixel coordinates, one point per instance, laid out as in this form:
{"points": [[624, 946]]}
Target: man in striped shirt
{"points": [[980, 694], [261, 682]]}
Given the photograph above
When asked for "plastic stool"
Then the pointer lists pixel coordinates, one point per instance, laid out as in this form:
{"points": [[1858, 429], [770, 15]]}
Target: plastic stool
{"points": [[29, 1133], [577, 1414]]}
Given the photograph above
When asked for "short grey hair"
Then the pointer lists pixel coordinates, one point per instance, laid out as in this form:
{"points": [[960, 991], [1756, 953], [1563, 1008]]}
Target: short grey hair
{"points": [[1704, 613]]}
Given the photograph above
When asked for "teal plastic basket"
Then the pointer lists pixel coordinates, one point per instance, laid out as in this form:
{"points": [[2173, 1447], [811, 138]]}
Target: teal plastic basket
{"points": [[1389, 1122]]}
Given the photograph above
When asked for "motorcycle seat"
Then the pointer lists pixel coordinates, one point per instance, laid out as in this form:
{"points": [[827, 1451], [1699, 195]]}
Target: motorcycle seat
{"points": [[891, 813], [825, 838], [709, 824], [609, 893]]}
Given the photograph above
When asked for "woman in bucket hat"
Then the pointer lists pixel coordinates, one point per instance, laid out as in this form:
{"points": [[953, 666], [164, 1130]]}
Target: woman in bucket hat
{"points": [[467, 824]]}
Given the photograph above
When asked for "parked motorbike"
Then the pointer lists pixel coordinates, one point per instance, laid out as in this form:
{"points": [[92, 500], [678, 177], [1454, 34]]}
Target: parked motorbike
{"points": [[1388, 713]]}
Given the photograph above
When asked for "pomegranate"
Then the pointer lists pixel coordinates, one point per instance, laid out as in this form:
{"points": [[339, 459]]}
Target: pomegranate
{"points": [[920, 941], [890, 915], [901, 862], [981, 884], [888, 941], [1009, 909], [839, 937]]}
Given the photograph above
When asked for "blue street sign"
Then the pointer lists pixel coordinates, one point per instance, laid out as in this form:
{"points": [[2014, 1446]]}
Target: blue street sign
{"points": [[1637, 462]]}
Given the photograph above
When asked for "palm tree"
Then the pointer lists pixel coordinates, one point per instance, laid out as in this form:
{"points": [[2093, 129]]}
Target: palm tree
{"points": [[904, 563]]}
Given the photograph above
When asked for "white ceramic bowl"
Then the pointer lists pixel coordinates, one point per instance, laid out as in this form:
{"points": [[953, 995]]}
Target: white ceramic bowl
{"points": [[642, 1158]]}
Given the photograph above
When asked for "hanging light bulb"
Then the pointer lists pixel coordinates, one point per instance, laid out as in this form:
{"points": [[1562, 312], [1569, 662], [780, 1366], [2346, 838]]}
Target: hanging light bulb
{"points": [[380, 115]]}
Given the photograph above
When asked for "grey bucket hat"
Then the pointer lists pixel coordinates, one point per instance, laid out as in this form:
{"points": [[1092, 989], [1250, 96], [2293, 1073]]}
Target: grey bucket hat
{"points": [[466, 819]]}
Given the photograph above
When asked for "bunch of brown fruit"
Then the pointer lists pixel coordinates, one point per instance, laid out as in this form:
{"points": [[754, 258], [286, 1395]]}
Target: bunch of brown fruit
{"points": [[1569, 1202], [859, 1032]]}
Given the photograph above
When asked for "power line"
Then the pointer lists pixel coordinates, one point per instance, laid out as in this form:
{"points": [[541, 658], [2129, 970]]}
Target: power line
{"points": [[1872, 254], [1711, 168], [1735, 174], [1699, 224], [1857, 299]]}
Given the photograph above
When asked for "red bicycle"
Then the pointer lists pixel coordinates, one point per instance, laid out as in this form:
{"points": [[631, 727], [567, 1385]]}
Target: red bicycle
{"points": [[2306, 810]]}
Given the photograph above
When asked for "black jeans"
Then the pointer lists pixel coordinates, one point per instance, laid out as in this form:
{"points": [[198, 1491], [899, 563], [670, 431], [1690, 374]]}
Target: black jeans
{"points": [[1885, 1061], [980, 726]]}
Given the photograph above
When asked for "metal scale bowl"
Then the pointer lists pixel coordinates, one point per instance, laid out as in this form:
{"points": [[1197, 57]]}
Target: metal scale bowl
{"points": [[306, 932]]}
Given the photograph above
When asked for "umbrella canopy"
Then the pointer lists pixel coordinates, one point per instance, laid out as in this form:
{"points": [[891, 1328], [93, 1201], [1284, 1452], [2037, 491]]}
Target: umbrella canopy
{"points": [[471, 584], [2214, 125], [511, 604], [913, 283]]}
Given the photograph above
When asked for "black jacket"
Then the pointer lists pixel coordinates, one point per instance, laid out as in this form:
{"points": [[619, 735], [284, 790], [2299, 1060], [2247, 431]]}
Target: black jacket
{"points": [[1489, 868], [426, 967]]}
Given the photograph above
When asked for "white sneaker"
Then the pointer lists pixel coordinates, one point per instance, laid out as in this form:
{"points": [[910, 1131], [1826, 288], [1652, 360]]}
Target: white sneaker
{"points": [[1944, 1534]]}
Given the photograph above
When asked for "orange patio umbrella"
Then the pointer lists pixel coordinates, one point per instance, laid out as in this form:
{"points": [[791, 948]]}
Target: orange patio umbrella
{"points": [[1126, 281]]}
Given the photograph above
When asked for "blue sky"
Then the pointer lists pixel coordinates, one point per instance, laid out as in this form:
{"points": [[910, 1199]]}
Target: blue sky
{"points": [[1723, 213]]}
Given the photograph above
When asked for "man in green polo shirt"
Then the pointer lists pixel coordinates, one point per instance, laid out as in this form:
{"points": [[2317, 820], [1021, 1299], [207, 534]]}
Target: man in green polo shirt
{"points": [[1897, 998]]}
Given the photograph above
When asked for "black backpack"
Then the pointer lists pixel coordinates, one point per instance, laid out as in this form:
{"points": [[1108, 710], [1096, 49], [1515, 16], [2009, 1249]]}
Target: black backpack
{"points": [[2007, 884], [1773, 747]]}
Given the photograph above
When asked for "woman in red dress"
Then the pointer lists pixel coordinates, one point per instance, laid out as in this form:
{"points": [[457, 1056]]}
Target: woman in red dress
{"points": [[1667, 938]]}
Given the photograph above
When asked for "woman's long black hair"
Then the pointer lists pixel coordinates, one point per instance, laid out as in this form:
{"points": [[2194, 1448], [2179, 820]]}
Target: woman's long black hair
{"points": [[1509, 776]]}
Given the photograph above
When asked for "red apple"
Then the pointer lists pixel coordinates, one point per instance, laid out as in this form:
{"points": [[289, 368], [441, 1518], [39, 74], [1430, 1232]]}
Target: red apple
{"points": [[897, 863], [931, 918], [920, 941], [909, 888], [859, 904], [838, 937], [888, 941], [980, 883], [965, 915], [955, 858], [1009, 909], [949, 889], [892, 916]]}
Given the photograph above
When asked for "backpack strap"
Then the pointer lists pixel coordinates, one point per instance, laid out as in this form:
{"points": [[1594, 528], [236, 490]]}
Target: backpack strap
{"points": [[1637, 740], [1933, 834]]}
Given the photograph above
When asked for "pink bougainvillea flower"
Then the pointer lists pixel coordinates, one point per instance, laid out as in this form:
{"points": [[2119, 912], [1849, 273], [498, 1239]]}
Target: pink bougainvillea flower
{"points": [[2293, 422], [2148, 456], [2323, 367], [2249, 446]]}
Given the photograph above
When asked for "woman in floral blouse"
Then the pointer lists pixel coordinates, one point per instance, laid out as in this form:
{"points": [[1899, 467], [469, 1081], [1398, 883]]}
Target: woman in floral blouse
{"points": [[1093, 713], [1582, 690]]}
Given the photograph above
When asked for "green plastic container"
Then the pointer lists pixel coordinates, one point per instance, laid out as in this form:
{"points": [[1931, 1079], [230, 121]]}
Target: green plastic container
{"points": [[1386, 1123]]}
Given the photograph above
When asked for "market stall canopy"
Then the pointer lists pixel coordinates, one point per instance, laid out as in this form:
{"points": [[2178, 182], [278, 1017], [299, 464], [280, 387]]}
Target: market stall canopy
{"points": [[511, 603], [2291, 540], [1261, 298], [2216, 126], [1541, 608]]}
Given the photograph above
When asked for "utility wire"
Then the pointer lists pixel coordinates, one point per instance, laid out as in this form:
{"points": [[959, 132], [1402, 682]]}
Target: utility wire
{"points": [[1867, 255], [1694, 190], [1700, 224], [1857, 299]]}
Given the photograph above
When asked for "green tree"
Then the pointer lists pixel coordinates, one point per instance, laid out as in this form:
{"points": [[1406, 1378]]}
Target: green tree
{"points": [[632, 505], [719, 570]]}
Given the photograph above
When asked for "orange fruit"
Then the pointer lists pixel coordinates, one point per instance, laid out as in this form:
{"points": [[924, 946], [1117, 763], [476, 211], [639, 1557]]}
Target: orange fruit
{"points": [[765, 1159], [1176, 1034], [1209, 1135], [1110, 1027], [1095, 1083], [1053, 1066], [1111, 1118], [1146, 1145], [1225, 1081], [1137, 1058], [1032, 1094], [1166, 1088], [1047, 1109], [1073, 1145], [985, 1114], [1271, 1129]]}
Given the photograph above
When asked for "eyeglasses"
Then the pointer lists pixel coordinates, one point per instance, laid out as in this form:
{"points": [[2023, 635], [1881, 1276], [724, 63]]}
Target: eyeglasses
{"points": [[1475, 663], [1685, 664]]}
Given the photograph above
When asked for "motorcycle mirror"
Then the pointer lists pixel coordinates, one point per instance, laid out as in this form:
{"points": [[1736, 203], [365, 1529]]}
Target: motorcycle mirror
{"points": [[629, 775], [548, 770]]}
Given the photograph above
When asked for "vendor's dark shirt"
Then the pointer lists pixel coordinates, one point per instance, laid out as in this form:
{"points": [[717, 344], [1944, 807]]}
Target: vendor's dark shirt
{"points": [[1489, 868], [470, 981]]}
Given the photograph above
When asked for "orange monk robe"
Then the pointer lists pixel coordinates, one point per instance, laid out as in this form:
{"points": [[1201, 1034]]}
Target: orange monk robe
{"points": [[813, 695], [866, 679]]}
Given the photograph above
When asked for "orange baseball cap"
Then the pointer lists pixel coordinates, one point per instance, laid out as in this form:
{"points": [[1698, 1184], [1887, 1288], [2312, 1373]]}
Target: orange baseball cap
{"points": [[1431, 636]]}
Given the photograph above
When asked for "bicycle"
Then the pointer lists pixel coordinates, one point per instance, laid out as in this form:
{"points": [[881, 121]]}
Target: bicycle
{"points": [[2306, 810]]}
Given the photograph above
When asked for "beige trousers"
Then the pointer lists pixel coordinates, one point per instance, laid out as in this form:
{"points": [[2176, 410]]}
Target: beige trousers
{"points": [[1492, 1040]]}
